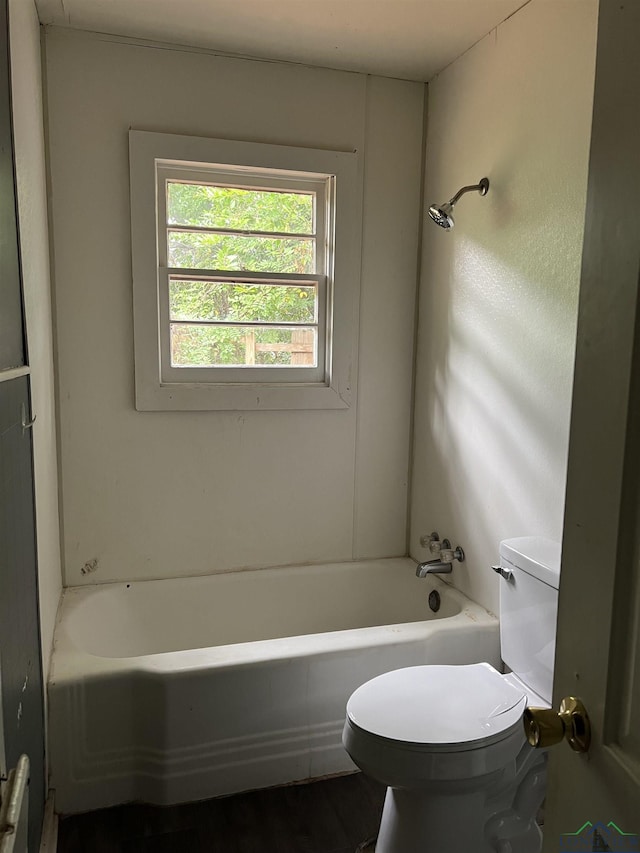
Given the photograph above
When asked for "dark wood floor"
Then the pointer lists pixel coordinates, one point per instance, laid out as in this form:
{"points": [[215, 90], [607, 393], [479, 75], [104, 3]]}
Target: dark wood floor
{"points": [[332, 816]]}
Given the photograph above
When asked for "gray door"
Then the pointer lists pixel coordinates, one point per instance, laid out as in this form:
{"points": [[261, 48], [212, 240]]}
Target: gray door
{"points": [[22, 710], [20, 664], [12, 349]]}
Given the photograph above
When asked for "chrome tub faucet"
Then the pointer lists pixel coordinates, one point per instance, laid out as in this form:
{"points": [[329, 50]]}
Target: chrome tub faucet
{"points": [[443, 564], [433, 567]]}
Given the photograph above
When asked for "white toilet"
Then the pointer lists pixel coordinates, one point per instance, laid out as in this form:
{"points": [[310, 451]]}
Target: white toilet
{"points": [[448, 741]]}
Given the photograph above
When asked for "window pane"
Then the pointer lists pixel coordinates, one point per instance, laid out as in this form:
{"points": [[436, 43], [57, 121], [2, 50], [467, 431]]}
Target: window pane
{"points": [[242, 210], [194, 250], [241, 302], [242, 346]]}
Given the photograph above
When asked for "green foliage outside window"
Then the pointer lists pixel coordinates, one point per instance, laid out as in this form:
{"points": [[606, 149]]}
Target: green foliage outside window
{"points": [[248, 210]]}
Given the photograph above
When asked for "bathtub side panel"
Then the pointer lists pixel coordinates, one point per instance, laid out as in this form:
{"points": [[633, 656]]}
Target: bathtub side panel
{"points": [[93, 741], [166, 737]]}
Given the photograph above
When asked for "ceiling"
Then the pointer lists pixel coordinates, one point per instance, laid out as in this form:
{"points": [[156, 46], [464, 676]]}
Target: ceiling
{"points": [[412, 39]]}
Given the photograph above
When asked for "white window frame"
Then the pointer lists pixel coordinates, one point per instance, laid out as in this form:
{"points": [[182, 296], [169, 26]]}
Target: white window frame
{"points": [[337, 177]]}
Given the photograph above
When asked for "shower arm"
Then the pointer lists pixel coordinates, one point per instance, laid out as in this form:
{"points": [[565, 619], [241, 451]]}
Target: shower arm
{"points": [[482, 188]]}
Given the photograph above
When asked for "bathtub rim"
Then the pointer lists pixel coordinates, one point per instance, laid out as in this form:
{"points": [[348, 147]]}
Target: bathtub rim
{"points": [[70, 661]]}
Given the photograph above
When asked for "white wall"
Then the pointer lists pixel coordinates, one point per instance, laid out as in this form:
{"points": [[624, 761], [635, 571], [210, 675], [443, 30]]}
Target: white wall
{"points": [[32, 207], [152, 494], [498, 296]]}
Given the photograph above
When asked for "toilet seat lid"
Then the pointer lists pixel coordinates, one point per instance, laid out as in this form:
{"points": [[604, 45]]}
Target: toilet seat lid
{"points": [[439, 705]]}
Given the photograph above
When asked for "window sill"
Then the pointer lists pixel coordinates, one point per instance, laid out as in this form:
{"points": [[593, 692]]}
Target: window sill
{"points": [[247, 397]]}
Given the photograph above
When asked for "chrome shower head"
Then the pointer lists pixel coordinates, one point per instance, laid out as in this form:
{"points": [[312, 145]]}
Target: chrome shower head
{"points": [[441, 213]]}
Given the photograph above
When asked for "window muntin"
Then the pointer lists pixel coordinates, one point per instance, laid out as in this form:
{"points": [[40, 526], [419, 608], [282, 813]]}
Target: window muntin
{"points": [[242, 259]]}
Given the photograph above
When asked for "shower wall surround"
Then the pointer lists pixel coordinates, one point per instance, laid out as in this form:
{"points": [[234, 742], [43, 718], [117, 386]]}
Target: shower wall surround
{"points": [[164, 494], [498, 295]]}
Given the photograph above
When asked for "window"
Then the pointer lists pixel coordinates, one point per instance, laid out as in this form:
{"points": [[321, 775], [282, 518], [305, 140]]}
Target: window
{"points": [[242, 273], [245, 273]]}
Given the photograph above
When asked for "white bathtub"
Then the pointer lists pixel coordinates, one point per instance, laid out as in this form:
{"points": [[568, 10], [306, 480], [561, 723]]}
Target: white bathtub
{"points": [[177, 690]]}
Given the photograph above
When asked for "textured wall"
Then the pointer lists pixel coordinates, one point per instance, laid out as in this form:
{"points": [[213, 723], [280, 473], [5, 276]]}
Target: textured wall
{"points": [[160, 494], [498, 296]]}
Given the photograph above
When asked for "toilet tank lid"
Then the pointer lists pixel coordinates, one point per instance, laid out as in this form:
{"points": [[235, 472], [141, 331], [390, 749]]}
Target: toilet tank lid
{"points": [[534, 555]]}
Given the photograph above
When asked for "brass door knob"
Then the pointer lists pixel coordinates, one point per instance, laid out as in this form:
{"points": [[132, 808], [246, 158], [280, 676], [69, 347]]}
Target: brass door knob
{"points": [[544, 727]]}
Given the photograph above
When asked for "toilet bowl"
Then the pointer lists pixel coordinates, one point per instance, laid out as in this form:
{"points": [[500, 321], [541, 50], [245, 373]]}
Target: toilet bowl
{"points": [[448, 741], [449, 744]]}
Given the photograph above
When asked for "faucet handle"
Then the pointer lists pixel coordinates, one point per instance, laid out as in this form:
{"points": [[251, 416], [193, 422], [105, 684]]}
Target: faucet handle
{"points": [[442, 550], [433, 543], [449, 554]]}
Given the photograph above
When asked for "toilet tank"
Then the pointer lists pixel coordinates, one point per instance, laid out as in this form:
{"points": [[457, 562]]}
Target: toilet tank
{"points": [[529, 609]]}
